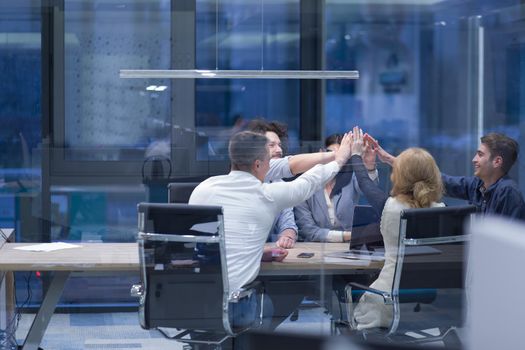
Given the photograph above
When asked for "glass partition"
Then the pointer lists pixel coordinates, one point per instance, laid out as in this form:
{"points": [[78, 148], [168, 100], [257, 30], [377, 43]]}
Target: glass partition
{"points": [[100, 38], [80, 147], [245, 35]]}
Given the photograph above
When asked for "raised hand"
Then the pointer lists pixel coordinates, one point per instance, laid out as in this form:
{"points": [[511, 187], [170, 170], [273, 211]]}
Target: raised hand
{"points": [[383, 155], [357, 141], [369, 157], [345, 151]]}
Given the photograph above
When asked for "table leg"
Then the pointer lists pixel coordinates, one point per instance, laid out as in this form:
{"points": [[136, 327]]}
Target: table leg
{"points": [[47, 308]]}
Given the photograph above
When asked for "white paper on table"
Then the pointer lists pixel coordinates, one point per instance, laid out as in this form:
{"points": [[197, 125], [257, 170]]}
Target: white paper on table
{"points": [[48, 247]]}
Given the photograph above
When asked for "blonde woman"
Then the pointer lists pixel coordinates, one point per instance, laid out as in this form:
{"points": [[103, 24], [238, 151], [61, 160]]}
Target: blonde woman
{"points": [[416, 184]]}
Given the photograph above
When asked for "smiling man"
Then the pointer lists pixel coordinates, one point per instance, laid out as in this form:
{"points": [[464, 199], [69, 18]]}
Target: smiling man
{"points": [[251, 206], [491, 189], [284, 231]]}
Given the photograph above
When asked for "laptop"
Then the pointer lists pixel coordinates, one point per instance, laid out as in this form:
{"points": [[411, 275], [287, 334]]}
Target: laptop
{"points": [[366, 234]]}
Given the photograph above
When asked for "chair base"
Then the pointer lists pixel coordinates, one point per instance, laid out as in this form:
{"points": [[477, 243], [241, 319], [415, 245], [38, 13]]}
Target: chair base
{"points": [[197, 337]]}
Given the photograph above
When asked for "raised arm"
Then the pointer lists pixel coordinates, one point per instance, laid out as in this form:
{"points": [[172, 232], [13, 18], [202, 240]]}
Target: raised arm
{"points": [[383, 155], [300, 163], [458, 186], [289, 194], [375, 196], [303, 162]]}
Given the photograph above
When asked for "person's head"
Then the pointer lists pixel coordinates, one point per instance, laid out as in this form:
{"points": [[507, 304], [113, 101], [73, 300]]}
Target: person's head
{"points": [[495, 156], [274, 131], [332, 142], [249, 152], [416, 178]]}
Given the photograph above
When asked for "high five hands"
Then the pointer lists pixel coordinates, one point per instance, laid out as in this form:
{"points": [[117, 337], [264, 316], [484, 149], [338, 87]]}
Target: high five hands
{"points": [[362, 147], [362, 144], [383, 155], [344, 152]]}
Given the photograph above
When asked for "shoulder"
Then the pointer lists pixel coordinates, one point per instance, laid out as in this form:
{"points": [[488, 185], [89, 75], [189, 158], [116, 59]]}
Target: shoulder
{"points": [[390, 216], [391, 211], [279, 168], [395, 205], [508, 187], [218, 181], [507, 183], [201, 190], [212, 180]]}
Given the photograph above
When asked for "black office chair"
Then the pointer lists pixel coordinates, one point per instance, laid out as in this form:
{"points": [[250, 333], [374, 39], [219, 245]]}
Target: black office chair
{"points": [[430, 262], [184, 279], [180, 192]]}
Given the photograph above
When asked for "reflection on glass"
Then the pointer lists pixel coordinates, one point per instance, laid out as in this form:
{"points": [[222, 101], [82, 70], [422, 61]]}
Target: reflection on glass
{"points": [[245, 35], [107, 118]]}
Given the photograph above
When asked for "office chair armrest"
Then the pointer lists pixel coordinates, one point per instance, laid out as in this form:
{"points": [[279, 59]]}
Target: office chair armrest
{"points": [[387, 296], [245, 291]]}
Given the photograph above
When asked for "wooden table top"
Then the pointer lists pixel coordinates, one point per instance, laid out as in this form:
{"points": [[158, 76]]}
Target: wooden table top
{"points": [[124, 257], [320, 262], [87, 257]]}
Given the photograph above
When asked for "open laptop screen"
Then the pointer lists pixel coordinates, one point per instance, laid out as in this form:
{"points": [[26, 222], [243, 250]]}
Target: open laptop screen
{"points": [[365, 228]]}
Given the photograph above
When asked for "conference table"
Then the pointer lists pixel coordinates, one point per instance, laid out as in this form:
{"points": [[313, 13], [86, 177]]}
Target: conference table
{"points": [[123, 257], [119, 257]]}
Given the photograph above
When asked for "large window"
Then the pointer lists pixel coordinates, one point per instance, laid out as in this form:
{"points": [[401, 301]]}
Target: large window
{"points": [[108, 118], [253, 35], [433, 74], [436, 74], [20, 105]]}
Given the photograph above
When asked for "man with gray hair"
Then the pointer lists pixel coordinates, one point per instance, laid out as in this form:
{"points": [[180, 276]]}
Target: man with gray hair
{"points": [[250, 206]]}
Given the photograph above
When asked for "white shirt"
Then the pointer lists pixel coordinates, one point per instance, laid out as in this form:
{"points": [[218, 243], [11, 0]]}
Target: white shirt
{"points": [[279, 169], [250, 208]]}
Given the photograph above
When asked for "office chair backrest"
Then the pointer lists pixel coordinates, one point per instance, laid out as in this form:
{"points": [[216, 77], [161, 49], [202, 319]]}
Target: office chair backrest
{"points": [[430, 253], [180, 192], [440, 235], [179, 219], [183, 269], [434, 224]]}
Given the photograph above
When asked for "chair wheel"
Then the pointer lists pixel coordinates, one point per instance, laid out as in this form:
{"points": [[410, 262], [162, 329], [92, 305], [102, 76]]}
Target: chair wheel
{"points": [[294, 316], [417, 308]]}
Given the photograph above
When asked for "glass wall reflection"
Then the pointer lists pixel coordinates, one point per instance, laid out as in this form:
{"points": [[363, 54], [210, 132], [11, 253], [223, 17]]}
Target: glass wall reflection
{"points": [[435, 74], [108, 118]]}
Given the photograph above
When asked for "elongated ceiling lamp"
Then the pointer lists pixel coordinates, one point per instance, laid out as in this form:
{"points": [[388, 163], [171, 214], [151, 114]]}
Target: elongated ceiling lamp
{"points": [[236, 74]]}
